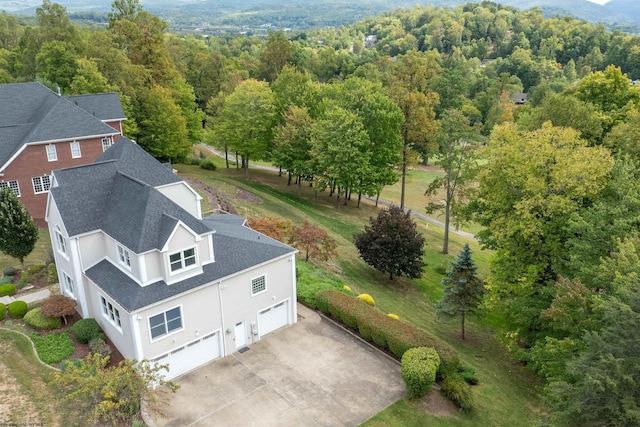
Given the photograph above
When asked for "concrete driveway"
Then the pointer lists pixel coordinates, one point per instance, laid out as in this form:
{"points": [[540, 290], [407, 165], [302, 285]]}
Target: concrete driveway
{"points": [[309, 374]]}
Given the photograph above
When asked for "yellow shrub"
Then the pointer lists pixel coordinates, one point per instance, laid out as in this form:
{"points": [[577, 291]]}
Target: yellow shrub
{"points": [[394, 316], [348, 289], [368, 299]]}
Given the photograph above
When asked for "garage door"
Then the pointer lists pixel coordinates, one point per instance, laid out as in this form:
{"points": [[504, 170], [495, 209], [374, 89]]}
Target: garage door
{"points": [[191, 356], [273, 318]]}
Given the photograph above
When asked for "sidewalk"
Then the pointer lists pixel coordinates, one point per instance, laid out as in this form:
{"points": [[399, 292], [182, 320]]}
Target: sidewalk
{"points": [[37, 296]]}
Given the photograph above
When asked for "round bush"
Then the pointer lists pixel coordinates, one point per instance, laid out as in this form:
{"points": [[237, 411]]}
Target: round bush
{"points": [[3, 311], [85, 330], [419, 366], [393, 316], [35, 319], [7, 290], [9, 271], [347, 289], [208, 165], [18, 309], [97, 345], [368, 299]]}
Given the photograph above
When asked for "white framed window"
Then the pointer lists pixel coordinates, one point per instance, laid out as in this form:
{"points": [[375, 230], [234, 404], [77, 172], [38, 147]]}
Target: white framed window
{"points": [[106, 143], [124, 257], [67, 284], [165, 323], [75, 150], [52, 155], [61, 242], [41, 184], [258, 285], [13, 185], [111, 313], [182, 260]]}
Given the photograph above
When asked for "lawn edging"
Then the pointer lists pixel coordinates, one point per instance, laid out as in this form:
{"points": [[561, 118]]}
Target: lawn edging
{"points": [[33, 347]]}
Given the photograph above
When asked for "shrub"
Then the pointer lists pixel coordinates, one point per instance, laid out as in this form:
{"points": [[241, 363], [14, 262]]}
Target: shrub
{"points": [[3, 311], [208, 165], [419, 366], [458, 391], [393, 316], [9, 271], [53, 348], [367, 299], [310, 281], [7, 290], [18, 309], [467, 373], [98, 345], [85, 330], [192, 161], [5, 279], [52, 274], [347, 289], [59, 306], [35, 319]]}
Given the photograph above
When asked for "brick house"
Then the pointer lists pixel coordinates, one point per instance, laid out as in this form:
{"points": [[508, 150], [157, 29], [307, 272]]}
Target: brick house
{"points": [[41, 131]]}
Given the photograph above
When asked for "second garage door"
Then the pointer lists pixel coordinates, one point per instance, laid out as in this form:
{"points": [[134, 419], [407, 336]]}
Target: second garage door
{"points": [[273, 318], [191, 356]]}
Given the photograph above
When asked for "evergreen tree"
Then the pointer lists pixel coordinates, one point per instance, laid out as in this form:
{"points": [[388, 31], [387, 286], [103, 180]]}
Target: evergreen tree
{"points": [[463, 290], [392, 244], [18, 232]]}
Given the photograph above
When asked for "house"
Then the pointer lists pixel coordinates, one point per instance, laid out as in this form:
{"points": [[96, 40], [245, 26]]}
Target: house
{"points": [[41, 131], [164, 284], [370, 41], [519, 98]]}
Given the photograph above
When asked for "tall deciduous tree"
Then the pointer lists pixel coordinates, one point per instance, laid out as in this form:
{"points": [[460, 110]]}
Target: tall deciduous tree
{"points": [[392, 244], [457, 157], [18, 232], [246, 120], [463, 290], [278, 50]]}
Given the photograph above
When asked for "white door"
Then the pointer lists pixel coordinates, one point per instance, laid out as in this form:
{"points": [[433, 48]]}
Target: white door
{"points": [[273, 318], [241, 336], [190, 356]]}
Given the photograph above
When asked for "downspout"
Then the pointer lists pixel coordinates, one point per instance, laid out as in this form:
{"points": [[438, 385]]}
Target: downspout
{"points": [[224, 331], [135, 331], [293, 297]]}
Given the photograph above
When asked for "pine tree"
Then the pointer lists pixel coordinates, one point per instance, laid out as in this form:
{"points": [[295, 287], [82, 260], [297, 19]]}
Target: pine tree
{"points": [[392, 244], [463, 290], [18, 232]]}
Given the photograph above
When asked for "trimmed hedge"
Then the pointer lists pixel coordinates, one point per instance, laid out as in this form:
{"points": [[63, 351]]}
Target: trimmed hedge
{"points": [[3, 311], [18, 309], [7, 290], [311, 280], [374, 325], [35, 319], [86, 330], [419, 366]]}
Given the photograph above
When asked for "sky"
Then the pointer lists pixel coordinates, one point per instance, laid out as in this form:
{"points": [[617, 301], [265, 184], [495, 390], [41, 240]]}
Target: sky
{"points": [[599, 1]]}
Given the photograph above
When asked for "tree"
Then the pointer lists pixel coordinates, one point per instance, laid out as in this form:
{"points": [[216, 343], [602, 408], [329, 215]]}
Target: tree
{"points": [[18, 232], [313, 241], [392, 244], [272, 226], [457, 158], [463, 290], [124, 9], [94, 393], [58, 306], [246, 120], [275, 55]]}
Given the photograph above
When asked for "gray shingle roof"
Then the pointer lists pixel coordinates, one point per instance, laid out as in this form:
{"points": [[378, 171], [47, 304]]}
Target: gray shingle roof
{"points": [[236, 249], [30, 113], [113, 196], [104, 106]]}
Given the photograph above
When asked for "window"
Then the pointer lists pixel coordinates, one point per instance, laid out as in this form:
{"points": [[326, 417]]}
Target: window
{"points": [[182, 260], [52, 156], [41, 184], [75, 150], [106, 143], [61, 242], [110, 312], [13, 185], [67, 283], [123, 257], [165, 323], [259, 284]]}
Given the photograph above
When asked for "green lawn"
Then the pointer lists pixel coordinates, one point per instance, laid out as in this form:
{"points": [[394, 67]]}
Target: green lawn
{"points": [[507, 393], [38, 256]]}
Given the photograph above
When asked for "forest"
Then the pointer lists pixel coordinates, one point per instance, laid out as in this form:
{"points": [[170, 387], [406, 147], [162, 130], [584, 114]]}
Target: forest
{"points": [[535, 122]]}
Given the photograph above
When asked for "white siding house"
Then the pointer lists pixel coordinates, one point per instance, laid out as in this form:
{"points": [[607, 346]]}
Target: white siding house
{"points": [[163, 283]]}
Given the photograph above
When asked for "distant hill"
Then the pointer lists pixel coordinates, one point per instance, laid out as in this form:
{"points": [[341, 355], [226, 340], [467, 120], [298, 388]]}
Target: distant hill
{"points": [[319, 13]]}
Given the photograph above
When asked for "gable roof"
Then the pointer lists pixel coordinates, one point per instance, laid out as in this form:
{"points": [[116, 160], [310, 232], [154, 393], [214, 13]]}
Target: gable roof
{"points": [[104, 106], [31, 113], [237, 248], [113, 195]]}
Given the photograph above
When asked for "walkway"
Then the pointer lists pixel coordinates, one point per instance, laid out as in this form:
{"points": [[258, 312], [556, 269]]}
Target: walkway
{"points": [[30, 298]]}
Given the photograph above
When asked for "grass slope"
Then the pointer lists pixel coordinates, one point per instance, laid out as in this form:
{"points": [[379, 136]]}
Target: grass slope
{"points": [[507, 393]]}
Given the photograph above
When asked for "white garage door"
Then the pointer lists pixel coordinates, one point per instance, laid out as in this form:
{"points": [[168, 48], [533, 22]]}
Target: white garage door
{"points": [[273, 318], [191, 356]]}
